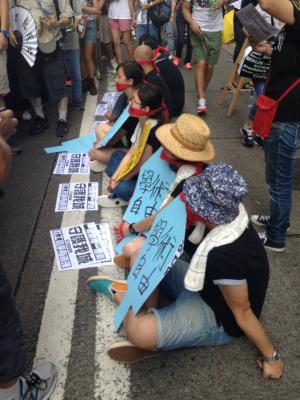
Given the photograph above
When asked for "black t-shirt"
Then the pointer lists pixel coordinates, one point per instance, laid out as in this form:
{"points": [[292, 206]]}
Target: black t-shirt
{"points": [[285, 69], [174, 80], [244, 259], [152, 139], [155, 79]]}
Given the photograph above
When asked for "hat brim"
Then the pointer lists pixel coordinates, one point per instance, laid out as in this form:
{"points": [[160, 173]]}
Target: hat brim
{"points": [[163, 134]]}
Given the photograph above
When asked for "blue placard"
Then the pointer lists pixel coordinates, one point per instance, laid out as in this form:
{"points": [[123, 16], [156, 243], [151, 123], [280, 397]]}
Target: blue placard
{"points": [[154, 181], [55, 149], [115, 128], [163, 246], [79, 145]]}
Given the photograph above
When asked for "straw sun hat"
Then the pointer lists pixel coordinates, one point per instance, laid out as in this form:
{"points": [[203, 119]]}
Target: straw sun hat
{"points": [[187, 138]]}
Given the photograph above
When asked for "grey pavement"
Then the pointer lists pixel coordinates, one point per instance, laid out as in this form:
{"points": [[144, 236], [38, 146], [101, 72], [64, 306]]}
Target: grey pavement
{"points": [[227, 373]]}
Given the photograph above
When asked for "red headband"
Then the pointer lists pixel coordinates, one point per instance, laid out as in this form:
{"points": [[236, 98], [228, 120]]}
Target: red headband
{"points": [[198, 165]]}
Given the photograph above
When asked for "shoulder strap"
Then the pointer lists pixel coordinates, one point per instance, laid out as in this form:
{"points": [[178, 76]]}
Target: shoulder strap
{"points": [[289, 89], [56, 8]]}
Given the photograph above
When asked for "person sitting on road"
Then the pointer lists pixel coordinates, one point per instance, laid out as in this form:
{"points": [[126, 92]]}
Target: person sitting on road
{"points": [[124, 165], [176, 140], [216, 296], [168, 71], [129, 76], [143, 56]]}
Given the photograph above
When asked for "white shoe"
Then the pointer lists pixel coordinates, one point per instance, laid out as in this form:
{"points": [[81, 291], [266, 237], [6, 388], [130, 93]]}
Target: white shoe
{"points": [[107, 201], [40, 383], [114, 63], [26, 116], [97, 166]]}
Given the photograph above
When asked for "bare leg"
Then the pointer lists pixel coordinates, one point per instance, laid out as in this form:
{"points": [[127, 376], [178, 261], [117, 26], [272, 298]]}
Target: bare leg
{"points": [[127, 41], [200, 77], [116, 39], [208, 74], [102, 155], [88, 54], [141, 329]]}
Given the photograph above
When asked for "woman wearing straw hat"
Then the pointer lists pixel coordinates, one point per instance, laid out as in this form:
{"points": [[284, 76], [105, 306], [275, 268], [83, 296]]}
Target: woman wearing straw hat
{"points": [[187, 149]]}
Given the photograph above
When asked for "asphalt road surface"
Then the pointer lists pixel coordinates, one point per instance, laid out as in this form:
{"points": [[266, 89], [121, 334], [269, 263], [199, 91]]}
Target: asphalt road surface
{"points": [[70, 325]]}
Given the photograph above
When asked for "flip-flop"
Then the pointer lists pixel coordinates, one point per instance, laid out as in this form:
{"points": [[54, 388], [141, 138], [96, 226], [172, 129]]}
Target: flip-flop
{"points": [[107, 285]]}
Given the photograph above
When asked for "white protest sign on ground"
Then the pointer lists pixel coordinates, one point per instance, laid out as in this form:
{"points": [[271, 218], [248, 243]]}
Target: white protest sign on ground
{"points": [[78, 247], [81, 196], [103, 108], [104, 232], [110, 97], [72, 163]]}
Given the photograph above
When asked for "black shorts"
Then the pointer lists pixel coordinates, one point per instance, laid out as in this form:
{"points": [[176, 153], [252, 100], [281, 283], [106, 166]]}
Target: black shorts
{"points": [[48, 71], [13, 359]]}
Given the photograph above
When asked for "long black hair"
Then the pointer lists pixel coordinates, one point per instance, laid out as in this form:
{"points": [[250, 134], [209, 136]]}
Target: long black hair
{"points": [[132, 70]]}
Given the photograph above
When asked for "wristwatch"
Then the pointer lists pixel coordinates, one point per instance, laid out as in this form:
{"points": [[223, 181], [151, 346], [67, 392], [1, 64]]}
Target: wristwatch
{"points": [[274, 357], [132, 230], [4, 33]]}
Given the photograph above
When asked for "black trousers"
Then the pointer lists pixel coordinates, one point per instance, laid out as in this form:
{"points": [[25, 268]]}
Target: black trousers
{"points": [[13, 358], [182, 26]]}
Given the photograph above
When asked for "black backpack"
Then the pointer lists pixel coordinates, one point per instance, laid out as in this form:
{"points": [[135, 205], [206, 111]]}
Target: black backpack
{"points": [[160, 14]]}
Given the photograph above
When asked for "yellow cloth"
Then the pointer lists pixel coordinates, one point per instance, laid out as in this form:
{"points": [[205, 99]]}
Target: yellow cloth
{"points": [[137, 151], [228, 30]]}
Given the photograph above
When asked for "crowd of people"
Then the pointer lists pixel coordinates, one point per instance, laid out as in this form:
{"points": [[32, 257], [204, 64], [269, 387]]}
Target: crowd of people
{"points": [[217, 287]]}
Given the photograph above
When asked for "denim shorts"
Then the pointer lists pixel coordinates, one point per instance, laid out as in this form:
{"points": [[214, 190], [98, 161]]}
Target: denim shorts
{"points": [[90, 34], [188, 321]]}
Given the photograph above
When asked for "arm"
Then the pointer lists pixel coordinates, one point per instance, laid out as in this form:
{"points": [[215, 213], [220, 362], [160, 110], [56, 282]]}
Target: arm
{"points": [[91, 10], [188, 16], [173, 8], [4, 23], [237, 300], [131, 7], [151, 4], [282, 10]]}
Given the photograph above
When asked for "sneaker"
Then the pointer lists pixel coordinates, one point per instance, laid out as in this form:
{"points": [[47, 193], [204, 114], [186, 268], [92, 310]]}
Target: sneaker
{"points": [[201, 110], [78, 106], [247, 87], [62, 128], [269, 244], [262, 220], [176, 61], [107, 285], [97, 166], [93, 89], [26, 116], [40, 383], [247, 137], [188, 66], [39, 124], [114, 63], [98, 75], [121, 261], [108, 201], [126, 352], [258, 141]]}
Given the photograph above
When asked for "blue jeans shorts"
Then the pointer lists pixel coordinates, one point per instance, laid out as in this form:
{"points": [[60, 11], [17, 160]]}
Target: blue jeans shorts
{"points": [[124, 189], [188, 321], [90, 34]]}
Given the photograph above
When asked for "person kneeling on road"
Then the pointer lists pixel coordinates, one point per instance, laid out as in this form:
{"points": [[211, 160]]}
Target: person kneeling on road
{"points": [[219, 294]]}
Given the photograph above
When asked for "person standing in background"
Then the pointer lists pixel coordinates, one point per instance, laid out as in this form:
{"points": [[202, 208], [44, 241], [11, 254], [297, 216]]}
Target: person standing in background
{"points": [[90, 8], [119, 20]]}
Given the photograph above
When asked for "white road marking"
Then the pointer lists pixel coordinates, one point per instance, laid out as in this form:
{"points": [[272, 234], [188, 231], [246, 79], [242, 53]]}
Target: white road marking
{"points": [[112, 380], [55, 337]]}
